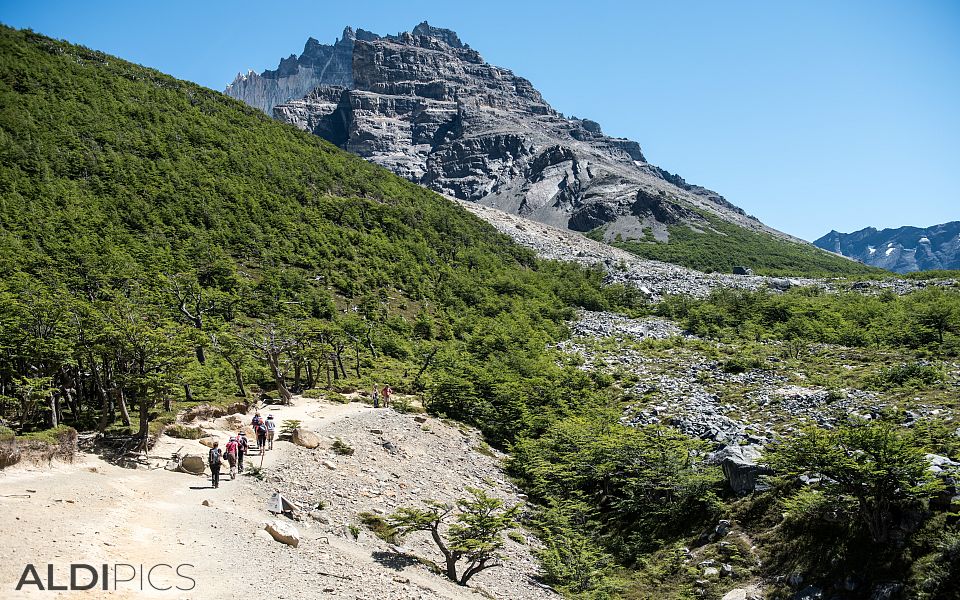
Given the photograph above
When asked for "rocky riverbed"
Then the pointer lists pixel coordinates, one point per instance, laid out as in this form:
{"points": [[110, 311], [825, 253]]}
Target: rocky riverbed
{"points": [[683, 388]]}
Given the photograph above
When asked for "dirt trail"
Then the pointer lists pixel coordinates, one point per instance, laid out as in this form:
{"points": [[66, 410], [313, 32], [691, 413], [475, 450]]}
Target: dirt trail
{"points": [[96, 513]]}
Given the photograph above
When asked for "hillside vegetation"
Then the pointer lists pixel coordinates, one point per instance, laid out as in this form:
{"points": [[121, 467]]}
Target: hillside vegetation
{"points": [[163, 246], [722, 246]]}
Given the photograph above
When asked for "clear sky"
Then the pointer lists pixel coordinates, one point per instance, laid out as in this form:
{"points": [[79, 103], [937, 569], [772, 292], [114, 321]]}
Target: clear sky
{"points": [[812, 116]]}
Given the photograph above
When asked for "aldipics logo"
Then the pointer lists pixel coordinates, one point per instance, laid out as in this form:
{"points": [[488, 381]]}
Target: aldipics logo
{"points": [[110, 577]]}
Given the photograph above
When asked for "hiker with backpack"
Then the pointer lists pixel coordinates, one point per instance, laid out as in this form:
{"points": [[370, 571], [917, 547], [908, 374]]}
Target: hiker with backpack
{"points": [[231, 456], [256, 420], [214, 458], [271, 430], [242, 446], [387, 395], [376, 396], [261, 430]]}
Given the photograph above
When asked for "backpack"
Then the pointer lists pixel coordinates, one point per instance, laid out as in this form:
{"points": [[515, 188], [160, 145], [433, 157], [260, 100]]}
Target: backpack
{"points": [[215, 455], [256, 420], [271, 424], [261, 429], [242, 443]]}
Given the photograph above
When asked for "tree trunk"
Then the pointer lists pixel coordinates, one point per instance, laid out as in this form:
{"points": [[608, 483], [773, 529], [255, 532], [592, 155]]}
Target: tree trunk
{"points": [[54, 410], [144, 422], [285, 394], [123, 407], [201, 355], [451, 558], [310, 382], [188, 393], [238, 374]]}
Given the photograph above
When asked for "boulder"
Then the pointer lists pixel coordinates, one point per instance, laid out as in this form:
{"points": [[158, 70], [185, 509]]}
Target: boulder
{"points": [[193, 464], [736, 594], [209, 440], [887, 591], [738, 270], [283, 532], [305, 437], [811, 592], [739, 464], [230, 422]]}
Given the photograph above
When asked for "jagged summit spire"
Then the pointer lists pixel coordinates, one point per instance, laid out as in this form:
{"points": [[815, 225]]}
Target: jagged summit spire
{"points": [[447, 36]]}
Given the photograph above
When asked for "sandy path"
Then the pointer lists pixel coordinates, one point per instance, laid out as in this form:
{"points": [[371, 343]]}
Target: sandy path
{"points": [[93, 512]]}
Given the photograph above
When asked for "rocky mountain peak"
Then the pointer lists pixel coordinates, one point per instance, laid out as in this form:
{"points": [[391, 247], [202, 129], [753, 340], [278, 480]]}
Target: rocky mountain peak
{"points": [[430, 108]]}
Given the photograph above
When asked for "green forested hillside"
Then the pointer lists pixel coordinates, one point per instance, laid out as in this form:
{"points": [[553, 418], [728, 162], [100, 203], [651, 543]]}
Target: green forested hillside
{"points": [[161, 242]]}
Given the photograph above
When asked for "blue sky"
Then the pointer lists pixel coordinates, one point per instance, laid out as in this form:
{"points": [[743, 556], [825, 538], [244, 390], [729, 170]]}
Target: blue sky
{"points": [[813, 115]]}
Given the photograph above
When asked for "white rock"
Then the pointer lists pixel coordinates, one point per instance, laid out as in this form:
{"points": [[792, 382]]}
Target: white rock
{"points": [[283, 532]]}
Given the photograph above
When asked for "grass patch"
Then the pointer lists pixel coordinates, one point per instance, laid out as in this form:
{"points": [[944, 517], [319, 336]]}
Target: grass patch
{"points": [[342, 448], [53, 436], [287, 427], [184, 432], [722, 245], [379, 526]]}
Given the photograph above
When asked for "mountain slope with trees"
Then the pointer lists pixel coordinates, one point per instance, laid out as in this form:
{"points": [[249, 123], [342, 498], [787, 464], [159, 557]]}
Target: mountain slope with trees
{"points": [[161, 242]]}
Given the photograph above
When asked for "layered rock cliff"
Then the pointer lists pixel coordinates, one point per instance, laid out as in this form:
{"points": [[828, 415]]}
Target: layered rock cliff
{"points": [[429, 108], [904, 250]]}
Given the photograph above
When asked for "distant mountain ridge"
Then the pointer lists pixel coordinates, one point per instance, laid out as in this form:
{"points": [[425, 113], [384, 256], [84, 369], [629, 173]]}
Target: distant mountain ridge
{"points": [[903, 250]]}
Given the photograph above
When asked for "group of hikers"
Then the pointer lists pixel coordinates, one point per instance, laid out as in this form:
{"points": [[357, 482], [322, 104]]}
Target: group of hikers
{"points": [[238, 446], [265, 430]]}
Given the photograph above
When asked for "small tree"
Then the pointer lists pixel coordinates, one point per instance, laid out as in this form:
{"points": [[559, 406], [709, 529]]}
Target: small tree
{"points": [[877, 468], [475, 536]]}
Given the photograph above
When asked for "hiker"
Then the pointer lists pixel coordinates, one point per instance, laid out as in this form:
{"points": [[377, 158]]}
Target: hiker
{"points": [[271, 430], [376, 396], [231, 456], [216, 455], [242, 446], [261, 430], [387, 395]]}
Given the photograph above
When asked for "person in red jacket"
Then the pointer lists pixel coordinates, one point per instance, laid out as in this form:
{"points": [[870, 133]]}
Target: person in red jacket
{"points": [[242, 446], [231, 456]]}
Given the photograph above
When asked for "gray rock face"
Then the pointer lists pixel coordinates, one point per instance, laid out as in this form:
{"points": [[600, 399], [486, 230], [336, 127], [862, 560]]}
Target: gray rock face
{"points": [[739, 464], [429, 108], [296, 76], [903, 250]]}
